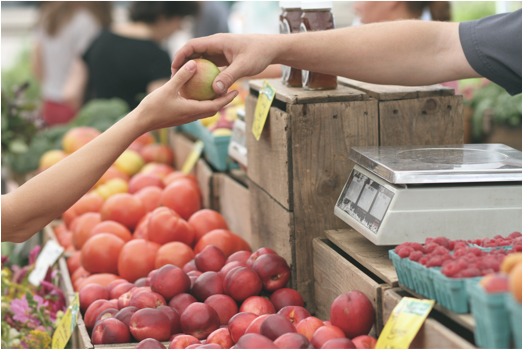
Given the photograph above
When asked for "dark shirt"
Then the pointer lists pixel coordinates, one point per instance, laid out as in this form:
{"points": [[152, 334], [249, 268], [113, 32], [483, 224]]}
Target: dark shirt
{"points": [[493, 48], [123, 67]]}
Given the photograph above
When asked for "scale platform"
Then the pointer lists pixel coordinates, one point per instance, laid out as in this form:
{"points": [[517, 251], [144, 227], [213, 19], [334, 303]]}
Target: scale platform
{"points": [[409, 193]]}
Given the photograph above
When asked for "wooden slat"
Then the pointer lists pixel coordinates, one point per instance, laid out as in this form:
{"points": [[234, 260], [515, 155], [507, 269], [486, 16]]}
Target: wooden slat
{"points": [[181, 146], [204, 177], [374, 258], [297, 95], [269, 159], [393, 92], [234, 205], [322, 135], [424, 121], [335, 275], [432, 335]]}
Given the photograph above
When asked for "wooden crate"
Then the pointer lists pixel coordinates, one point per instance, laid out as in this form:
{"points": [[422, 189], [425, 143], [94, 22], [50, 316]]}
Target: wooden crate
{"points": [[181, 145], [335, 275], [432, 334]]}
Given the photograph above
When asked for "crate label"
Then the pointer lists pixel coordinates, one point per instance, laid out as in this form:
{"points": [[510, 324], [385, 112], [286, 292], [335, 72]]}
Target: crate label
{"points": [[404, 323], [66, 326], [193, 157], [264, 101], [47, 257]]}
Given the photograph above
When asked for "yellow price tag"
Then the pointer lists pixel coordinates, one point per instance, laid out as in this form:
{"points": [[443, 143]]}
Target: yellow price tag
{"points": [[66, 326], [193, 157], [264, 101], [164, 136], [404, 323]]}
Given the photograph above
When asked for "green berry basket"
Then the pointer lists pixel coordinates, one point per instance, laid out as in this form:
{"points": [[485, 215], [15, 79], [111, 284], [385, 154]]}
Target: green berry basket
{"points": [[423, 280], [403, 268], [515, 319], [449, 292]]}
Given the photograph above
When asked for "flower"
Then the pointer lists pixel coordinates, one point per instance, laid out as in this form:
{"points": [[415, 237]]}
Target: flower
{"points": [[34, 254], [22, 312], [5, 259]]}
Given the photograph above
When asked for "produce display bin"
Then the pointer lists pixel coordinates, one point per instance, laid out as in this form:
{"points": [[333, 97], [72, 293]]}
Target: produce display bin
{"points": [[300, 163], [515, 318], [491, 316]]}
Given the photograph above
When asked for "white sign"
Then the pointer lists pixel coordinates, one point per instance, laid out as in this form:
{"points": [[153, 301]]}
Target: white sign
{"points": [[47, 257]]}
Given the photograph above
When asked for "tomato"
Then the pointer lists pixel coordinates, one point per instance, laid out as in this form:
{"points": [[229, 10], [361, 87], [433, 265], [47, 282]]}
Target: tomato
{"points": [[74, 262], [224, 240], [165, 225], [159, 153], [205, 221], [137, 259], [79, 273], [87, 203], [82, 228], [149, 197], [143, 180], [65, 239], [112, 227], [142, 230], [175, 253], [176, 175], [123, 208], [100, 253], [182, 198], [112, 173], [100, 279], [160, 170]]}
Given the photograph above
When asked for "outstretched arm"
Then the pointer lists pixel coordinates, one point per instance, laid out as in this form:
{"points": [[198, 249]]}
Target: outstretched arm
{"points": [[399, 53], [29, 208]]}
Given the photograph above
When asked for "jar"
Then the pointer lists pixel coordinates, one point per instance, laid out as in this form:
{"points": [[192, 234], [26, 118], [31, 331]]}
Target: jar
{"points": [[290, 22], [317, 16]]}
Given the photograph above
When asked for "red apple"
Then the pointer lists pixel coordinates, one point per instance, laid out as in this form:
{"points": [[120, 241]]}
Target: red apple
{"points": [[150, 323], [364, 342], [183, 341], [275, 326], [239, 256], [308, 326], [284, 297], [94, 310], [262, 251], [206, 285], [257, 305], [169, 281], [273, 271], [147, 300], [238, 325], [254, 340], [294, 313], [182, 301], [199, 320], [339, 343], [242, 283], [120, 289], [110, 331], [292, 340], [150, 343], [324, 334], [255, 326], [91, 293], [125, 315], [210, 259], [225, 306], [353, 313], [222, 337]]}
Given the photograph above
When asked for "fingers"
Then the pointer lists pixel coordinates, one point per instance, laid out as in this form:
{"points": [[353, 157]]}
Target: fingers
{"points": [[182, 75], [227, 77]]}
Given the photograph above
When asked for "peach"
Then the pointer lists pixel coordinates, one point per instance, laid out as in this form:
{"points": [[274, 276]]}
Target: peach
{"points": [[262, 251], [222, 337], [257, 305], [77, 137], [199, 320], [510, 261], [515, 282], [49, 158], [194, 346], [91, 314], [284, 297], [174, 318], [190, 266], [142, 282], [182, 301], [210, 259], [115, 283], [195, 273], [239, 323], [147, 300], [124, 300], [294, 313], [353, 313], [120, 289], [276, 325], [206, 285], [254, 340], [125, 314], [149, 197], [324, 334], [242, 283], [159, 153], [183, 341], [229, 266], [495, 283], [106, 314], [239, 256], [255, 326], [114, 302], [207, 346], [150, 323], [339, 343], [199, 86], [150, 343], [224, 306], [169, 281], [110, 331], [273, 271], [90, 294], [364, 342], [308, 326], [292, 340]]}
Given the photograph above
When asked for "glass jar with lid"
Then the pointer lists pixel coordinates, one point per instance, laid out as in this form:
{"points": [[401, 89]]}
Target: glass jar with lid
{"points": [[290, 22]]}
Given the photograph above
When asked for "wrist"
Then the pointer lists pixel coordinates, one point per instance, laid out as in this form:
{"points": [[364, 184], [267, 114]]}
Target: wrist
{"points": [[136, 122]]}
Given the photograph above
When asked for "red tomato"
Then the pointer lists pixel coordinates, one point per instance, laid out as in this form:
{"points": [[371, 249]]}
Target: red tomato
{"points": [[123, 208], [100, 253], [112, 227], [204, 221], [137, 259], [82, 228], [74, 262], [175, 253], [182, 198], [224, 240], [100, 279], [165, 225], [149, 197]]}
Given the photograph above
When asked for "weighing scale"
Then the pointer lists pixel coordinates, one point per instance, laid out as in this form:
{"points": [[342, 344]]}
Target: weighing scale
{"points": [[408, 193]]}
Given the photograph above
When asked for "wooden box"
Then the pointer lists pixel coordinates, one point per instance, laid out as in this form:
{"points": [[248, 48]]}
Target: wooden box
{"points": [[300, 164]]}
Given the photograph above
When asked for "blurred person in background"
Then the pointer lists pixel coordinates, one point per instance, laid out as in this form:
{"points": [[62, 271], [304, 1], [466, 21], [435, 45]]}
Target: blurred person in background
{"points": [[212, 19], [127, 61], [64, 31]]}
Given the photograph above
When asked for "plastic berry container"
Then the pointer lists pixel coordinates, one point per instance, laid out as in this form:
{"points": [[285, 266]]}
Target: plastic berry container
{"points": [[515, 319], [423, 280], [403, 269], [451, 292]]}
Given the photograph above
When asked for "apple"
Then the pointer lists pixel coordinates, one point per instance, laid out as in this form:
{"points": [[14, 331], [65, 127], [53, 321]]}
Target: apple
{"points": [[222, 337], [324, 334], [199, 86], [199, 320], [147, 300], [91, 293], [150, 343], [210, 258], [364, 342], [183, 341], [242, 283], [206, 285], [169, 281], [224, 305], [275, 326], [182, 301], [262, 251], [239, 323], [353, 313], [110, 331], [284, 297], [308, 326], [273, 271], [292, 340], [294, 313]]}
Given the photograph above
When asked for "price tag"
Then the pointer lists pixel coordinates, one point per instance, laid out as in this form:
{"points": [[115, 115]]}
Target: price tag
{"points": [[404, 323], [66, 326], [266, 96], [47, 257], [193, 157]]}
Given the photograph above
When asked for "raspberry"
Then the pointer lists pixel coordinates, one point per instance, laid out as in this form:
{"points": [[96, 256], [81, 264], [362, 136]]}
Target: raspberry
{"points": [[460, 246], [489, 262], [450, 269], [430, 247], [514, 235], [451, 245], [470, 272], [497, 237], [441, 251], [476, 251], [428, 240], [447, 262], [442, 241], [405, 252], [416, 256], [435, 261], [423, 260], [417, 247]]}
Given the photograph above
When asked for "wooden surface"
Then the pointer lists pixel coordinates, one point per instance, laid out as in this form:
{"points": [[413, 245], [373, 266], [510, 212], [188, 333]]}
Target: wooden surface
{"points": [[234, 204], [392, 92], [297, 95], [374, 258], [335, 275], [322, 135], [423, 121], [204, 176], [432, 334], [269, 159], [181, 145], [272, 226]]}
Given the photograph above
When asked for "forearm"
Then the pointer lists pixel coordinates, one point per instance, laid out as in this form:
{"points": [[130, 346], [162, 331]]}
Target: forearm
{"points": [[49, 194], [398, 53]]}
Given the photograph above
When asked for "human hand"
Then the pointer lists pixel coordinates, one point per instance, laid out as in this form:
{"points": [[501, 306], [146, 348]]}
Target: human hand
{"points": [[245, 55], [165, 107]]}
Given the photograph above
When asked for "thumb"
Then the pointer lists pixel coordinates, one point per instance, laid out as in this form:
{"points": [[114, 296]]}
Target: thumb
{"points": [[183, 75], [227, 77]]}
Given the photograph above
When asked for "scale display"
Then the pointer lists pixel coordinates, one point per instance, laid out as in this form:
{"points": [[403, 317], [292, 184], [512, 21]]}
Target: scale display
{"points": [[365, 200]]}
